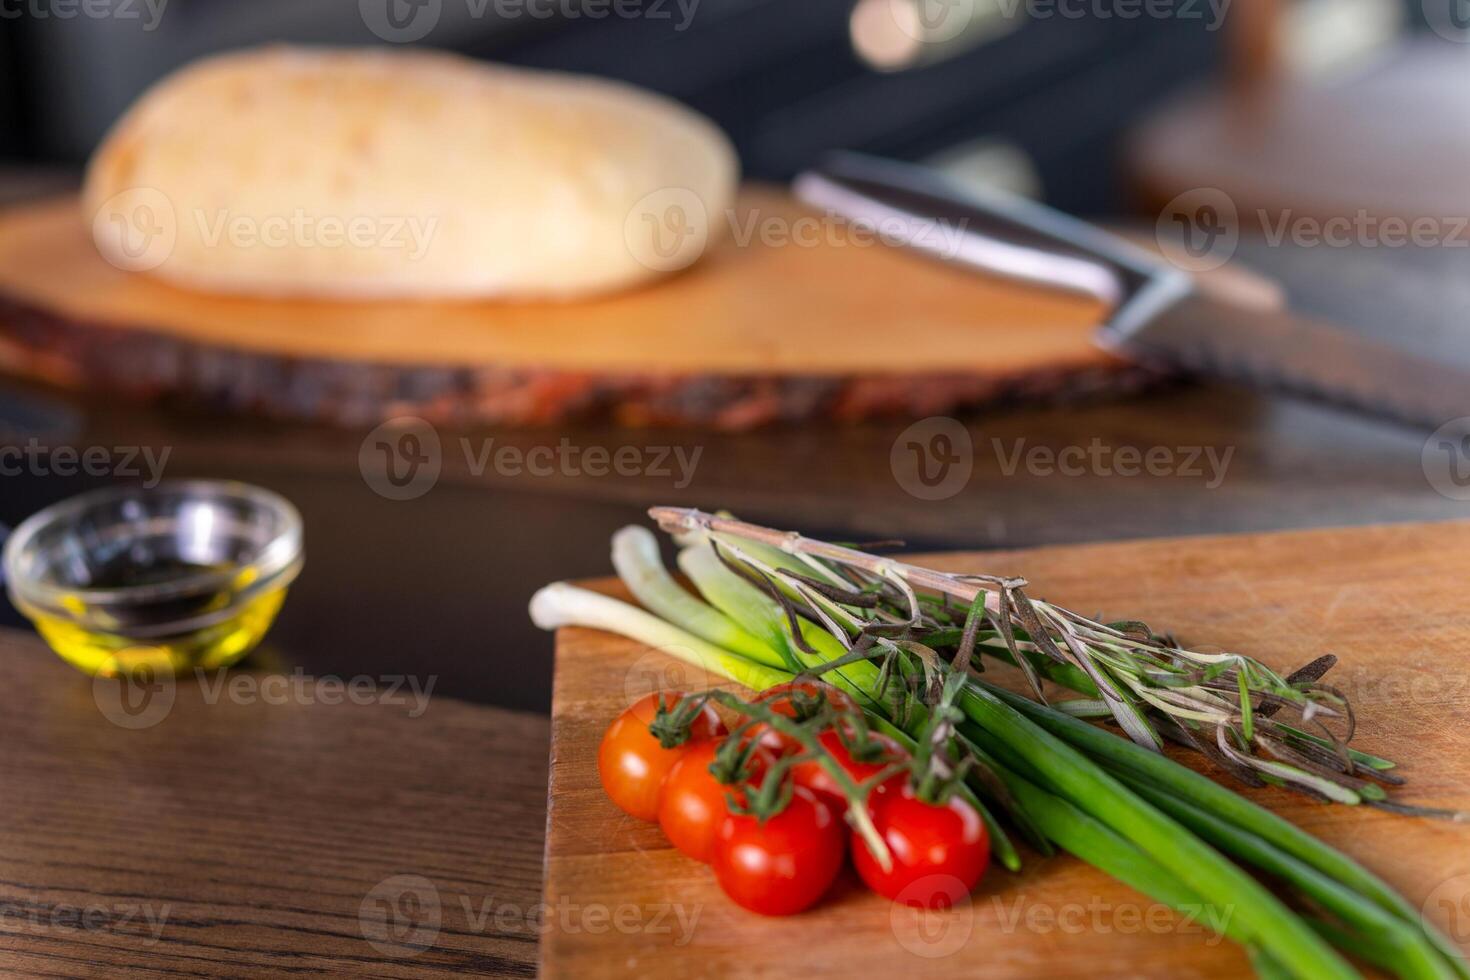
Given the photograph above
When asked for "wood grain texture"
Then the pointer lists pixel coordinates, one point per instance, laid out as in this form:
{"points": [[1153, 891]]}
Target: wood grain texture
{"points": [[245, 839], [1387, 600], [767, 327]]}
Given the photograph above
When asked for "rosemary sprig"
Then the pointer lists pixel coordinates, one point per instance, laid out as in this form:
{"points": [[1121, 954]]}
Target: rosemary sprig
{"points": [[1225, 705]]}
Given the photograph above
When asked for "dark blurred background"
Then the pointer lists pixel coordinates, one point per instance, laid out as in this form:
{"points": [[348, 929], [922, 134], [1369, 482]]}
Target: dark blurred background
{"points": [[1041, 99]]}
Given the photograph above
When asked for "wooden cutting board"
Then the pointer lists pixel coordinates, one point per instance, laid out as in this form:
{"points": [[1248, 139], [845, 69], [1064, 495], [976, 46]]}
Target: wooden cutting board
{"points": [[762, 329], [1388, 600]]}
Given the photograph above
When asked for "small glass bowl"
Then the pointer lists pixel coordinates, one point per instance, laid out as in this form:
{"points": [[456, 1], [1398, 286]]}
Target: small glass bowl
{"points": [[189, 574]]}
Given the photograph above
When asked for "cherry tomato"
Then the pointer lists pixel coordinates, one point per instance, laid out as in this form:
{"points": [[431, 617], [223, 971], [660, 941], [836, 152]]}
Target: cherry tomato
{"points": [[784, 865], [939, 852], [692, 802], [632, 763], [815, 777], [780, 700]]}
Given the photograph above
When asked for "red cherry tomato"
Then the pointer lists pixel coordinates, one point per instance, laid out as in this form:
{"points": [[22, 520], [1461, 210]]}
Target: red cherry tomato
{"points": [[784, 865], [632, 763], [815, 777], [783, 699], [692, 802], [939, 852]]}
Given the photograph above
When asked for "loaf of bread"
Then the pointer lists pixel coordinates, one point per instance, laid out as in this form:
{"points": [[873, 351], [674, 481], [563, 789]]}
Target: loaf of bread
{"points": [[393, 173]]}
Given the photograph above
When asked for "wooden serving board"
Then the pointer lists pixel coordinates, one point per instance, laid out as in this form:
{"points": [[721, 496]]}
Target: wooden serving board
{"points": [[760, 330], [1388, 600]]}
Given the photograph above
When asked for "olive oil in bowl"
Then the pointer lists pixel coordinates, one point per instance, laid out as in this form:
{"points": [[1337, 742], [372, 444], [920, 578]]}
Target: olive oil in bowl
{"points": [[186, 575]]}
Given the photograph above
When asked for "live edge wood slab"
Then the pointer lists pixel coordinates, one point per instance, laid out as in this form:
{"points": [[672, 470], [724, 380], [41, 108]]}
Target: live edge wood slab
{"points": [[1388, 600], [785, 319], [271, 832]]}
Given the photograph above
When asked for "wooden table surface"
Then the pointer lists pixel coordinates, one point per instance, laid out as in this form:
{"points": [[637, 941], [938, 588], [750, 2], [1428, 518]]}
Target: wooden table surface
{"points": [[263, 829]]}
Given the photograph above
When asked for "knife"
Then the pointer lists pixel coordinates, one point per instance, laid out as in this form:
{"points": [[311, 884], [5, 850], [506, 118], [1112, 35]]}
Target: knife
{"points": [[1157, 311]]}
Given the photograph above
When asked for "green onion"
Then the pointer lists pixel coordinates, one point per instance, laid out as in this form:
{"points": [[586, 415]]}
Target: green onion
{"points": [[561, 604], [636, 558], [1208, 795], [1413, 956], [1263, 919], [740, 600]]}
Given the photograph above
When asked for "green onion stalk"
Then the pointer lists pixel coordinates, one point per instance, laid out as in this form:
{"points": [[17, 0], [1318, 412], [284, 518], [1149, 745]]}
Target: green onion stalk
{"points": [[771, 607]]}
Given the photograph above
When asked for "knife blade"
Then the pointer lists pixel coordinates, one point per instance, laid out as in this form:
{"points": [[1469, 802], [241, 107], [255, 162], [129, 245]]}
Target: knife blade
{"points": [[1158, 312]]}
